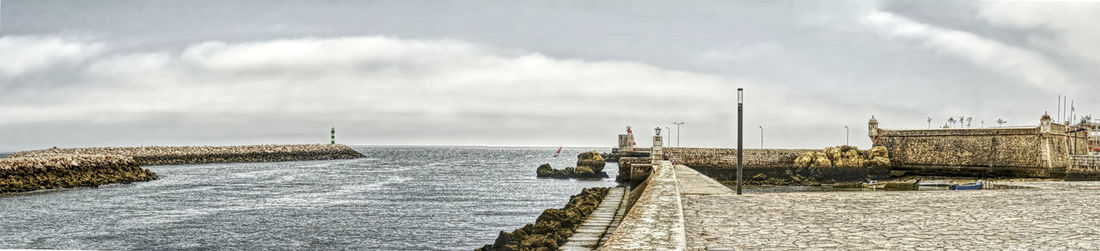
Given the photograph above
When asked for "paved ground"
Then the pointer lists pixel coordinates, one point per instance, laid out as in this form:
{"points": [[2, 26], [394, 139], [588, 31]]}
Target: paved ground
{"points": [[1054, 216]]}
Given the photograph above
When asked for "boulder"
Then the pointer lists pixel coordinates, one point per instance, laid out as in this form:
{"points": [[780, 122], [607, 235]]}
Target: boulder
{"points": [[821, 160], [804, 159], [879, 151], [544, 170], [591, 159], [585, 172], [880, 161], [833, 153]]}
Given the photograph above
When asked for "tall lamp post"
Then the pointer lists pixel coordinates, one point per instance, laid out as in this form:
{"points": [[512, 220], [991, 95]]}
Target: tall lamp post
{"points": [[846, 135], [740, 118], [678, 124]]}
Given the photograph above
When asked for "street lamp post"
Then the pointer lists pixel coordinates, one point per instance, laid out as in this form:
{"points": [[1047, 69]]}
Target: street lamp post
{"points": [[740, 119], [846, 142], [761, 137], [678, 124]]}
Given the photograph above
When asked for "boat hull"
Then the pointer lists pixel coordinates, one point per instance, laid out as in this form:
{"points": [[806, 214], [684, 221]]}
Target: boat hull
{"points": [[874, 186], [968, 186]]}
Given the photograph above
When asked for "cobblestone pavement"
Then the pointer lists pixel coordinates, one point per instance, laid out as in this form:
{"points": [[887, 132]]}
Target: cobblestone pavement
{"points": [[1055, 216]]}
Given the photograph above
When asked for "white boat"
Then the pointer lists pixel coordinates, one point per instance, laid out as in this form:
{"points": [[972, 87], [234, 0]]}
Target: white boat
{"points": [[874, 185], [934, 183]]}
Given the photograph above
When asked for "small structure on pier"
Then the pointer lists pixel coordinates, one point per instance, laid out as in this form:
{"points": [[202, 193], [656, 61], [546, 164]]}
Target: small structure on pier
{"points": [[626, 141], [655, 153]]}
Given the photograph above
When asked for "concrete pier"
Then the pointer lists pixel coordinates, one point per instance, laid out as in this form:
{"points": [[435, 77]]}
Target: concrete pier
{"points": [[656, 220]]}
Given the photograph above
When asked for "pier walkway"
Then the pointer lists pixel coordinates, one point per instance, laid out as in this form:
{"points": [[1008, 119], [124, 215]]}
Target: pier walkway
{"points": [[706, 215]]}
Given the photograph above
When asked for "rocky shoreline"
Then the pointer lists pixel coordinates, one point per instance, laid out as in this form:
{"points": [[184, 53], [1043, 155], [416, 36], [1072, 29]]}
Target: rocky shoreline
{"points": [[22, 174], [185, 155], [554, 226]]}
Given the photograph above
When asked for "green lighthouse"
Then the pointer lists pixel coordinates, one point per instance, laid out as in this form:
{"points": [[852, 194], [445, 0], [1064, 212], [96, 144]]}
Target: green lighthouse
{"points": [[334, 135]]}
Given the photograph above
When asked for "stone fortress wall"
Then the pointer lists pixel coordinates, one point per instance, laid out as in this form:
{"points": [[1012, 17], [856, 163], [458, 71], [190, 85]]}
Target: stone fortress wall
{"points": [[1046, 146]]}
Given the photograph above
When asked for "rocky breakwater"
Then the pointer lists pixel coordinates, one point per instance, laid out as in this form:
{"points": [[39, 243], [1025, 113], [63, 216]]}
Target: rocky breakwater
{"points": [[840, 164], [832, 165], [182, 155], [589, 165], [554, 226], [21, 174]]}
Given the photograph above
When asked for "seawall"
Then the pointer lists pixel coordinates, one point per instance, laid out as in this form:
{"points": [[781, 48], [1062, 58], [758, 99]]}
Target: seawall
{"points": [[182, 155], [1084, 167], [21, 174]]}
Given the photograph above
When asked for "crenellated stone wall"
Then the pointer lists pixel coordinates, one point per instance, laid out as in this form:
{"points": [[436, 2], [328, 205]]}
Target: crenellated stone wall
{"points": [[1045, 146]]}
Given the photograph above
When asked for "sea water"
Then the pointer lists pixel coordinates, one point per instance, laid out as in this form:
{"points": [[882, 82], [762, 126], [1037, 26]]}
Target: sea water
{"points": [[396, 198]]}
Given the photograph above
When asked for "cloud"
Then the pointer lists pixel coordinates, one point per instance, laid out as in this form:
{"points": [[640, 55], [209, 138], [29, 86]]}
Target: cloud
{"points": [[1070, 25], [29, 54], [412, 91], [1030, 66]]}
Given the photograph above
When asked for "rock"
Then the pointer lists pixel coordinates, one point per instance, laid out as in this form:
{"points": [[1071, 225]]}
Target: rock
{"points": [[880, 162], [832, 153], [589, 155], [879, 151], [821, 160], [844, 157], [544, 170], [591, 159], [804, 159], [585, 172]]}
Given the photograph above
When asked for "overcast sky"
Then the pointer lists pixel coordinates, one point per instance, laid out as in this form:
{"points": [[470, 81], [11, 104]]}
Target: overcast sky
{"points": [[526, 73]]}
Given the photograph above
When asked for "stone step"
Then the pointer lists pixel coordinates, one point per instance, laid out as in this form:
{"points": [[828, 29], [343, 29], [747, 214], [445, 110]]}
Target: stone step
{"points": [[589, 233]]}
